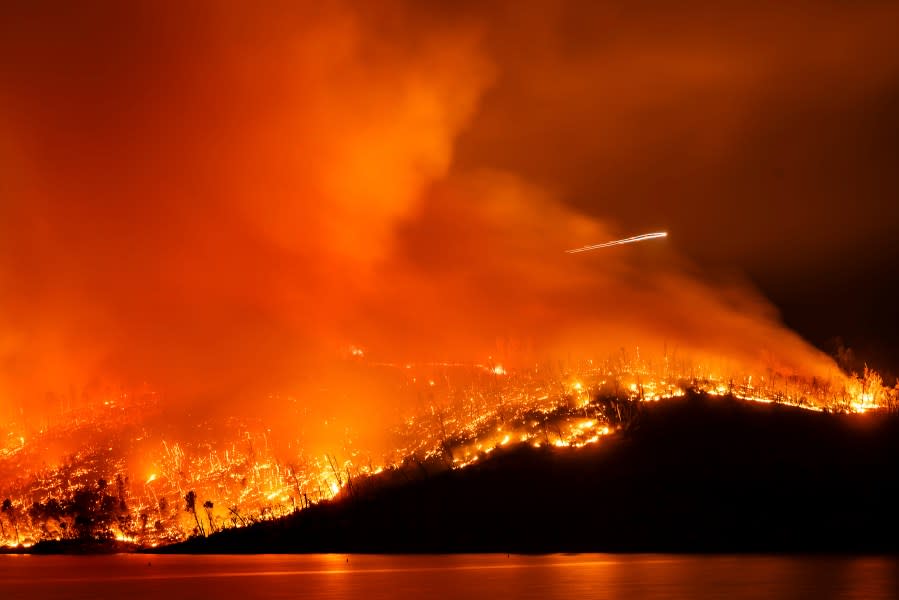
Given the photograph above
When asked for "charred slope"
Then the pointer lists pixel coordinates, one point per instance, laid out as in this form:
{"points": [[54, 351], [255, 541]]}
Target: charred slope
{"points": [[698, 474]]}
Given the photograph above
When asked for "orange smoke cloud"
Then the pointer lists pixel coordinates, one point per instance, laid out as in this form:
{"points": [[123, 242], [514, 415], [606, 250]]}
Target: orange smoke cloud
{"points": [[213, 223], [218, 202]]}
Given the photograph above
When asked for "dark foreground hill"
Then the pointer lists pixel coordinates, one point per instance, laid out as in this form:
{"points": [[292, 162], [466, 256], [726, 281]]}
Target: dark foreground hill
{"points": [[699, 474]]}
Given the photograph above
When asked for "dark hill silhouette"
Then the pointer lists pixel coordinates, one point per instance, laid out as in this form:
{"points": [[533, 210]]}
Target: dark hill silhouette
{"points": [[697, 474]]}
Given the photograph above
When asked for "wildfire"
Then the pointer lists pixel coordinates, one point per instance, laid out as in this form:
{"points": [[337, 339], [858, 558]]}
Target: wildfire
{"points": [[240, 477]]}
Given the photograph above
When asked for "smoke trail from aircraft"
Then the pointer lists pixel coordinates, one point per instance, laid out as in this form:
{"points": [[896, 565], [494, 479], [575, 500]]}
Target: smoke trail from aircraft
{"points": [[630, 240]]}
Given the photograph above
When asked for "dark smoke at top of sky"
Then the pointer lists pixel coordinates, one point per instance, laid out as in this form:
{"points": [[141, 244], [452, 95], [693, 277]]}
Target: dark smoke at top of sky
{"points": [[218, 202]]}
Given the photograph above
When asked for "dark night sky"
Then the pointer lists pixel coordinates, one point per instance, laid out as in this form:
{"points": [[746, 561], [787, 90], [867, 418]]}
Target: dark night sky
{"points": [[200, 193], [764, 137]]}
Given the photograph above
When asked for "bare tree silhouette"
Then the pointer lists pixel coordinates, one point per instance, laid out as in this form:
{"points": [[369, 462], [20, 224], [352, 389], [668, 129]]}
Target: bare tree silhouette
{"points": [[10, 511], [190, 500], [208, 507]]}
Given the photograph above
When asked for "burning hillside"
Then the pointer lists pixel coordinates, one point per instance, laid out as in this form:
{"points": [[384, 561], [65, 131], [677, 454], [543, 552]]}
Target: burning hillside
{"points": [[138, 481]]}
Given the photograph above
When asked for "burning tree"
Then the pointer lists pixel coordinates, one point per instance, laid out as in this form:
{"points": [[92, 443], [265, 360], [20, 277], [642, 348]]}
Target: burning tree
{"points": [[93, 511], [190, 500], [620, 412], [208, 507], [11, 514]]}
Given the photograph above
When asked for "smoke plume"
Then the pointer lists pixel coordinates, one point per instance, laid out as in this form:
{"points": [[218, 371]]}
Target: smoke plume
{"points": [[219, 202]]}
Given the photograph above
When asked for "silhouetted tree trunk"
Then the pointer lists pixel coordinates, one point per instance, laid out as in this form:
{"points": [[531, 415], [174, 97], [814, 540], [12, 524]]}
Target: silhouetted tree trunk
{"points": [[208, 506], [190, 506], [9, 510], [233, 510]]}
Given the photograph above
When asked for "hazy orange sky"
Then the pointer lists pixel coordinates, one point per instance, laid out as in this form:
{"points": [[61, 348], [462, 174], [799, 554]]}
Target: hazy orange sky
{"points": [[218, 198]]}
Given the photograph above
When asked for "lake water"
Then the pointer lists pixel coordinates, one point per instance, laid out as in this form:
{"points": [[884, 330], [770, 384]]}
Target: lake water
{"points": [[468, 577]]}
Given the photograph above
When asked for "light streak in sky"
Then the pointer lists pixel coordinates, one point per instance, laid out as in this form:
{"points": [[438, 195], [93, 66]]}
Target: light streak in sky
{"points": [[630, 240]]}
